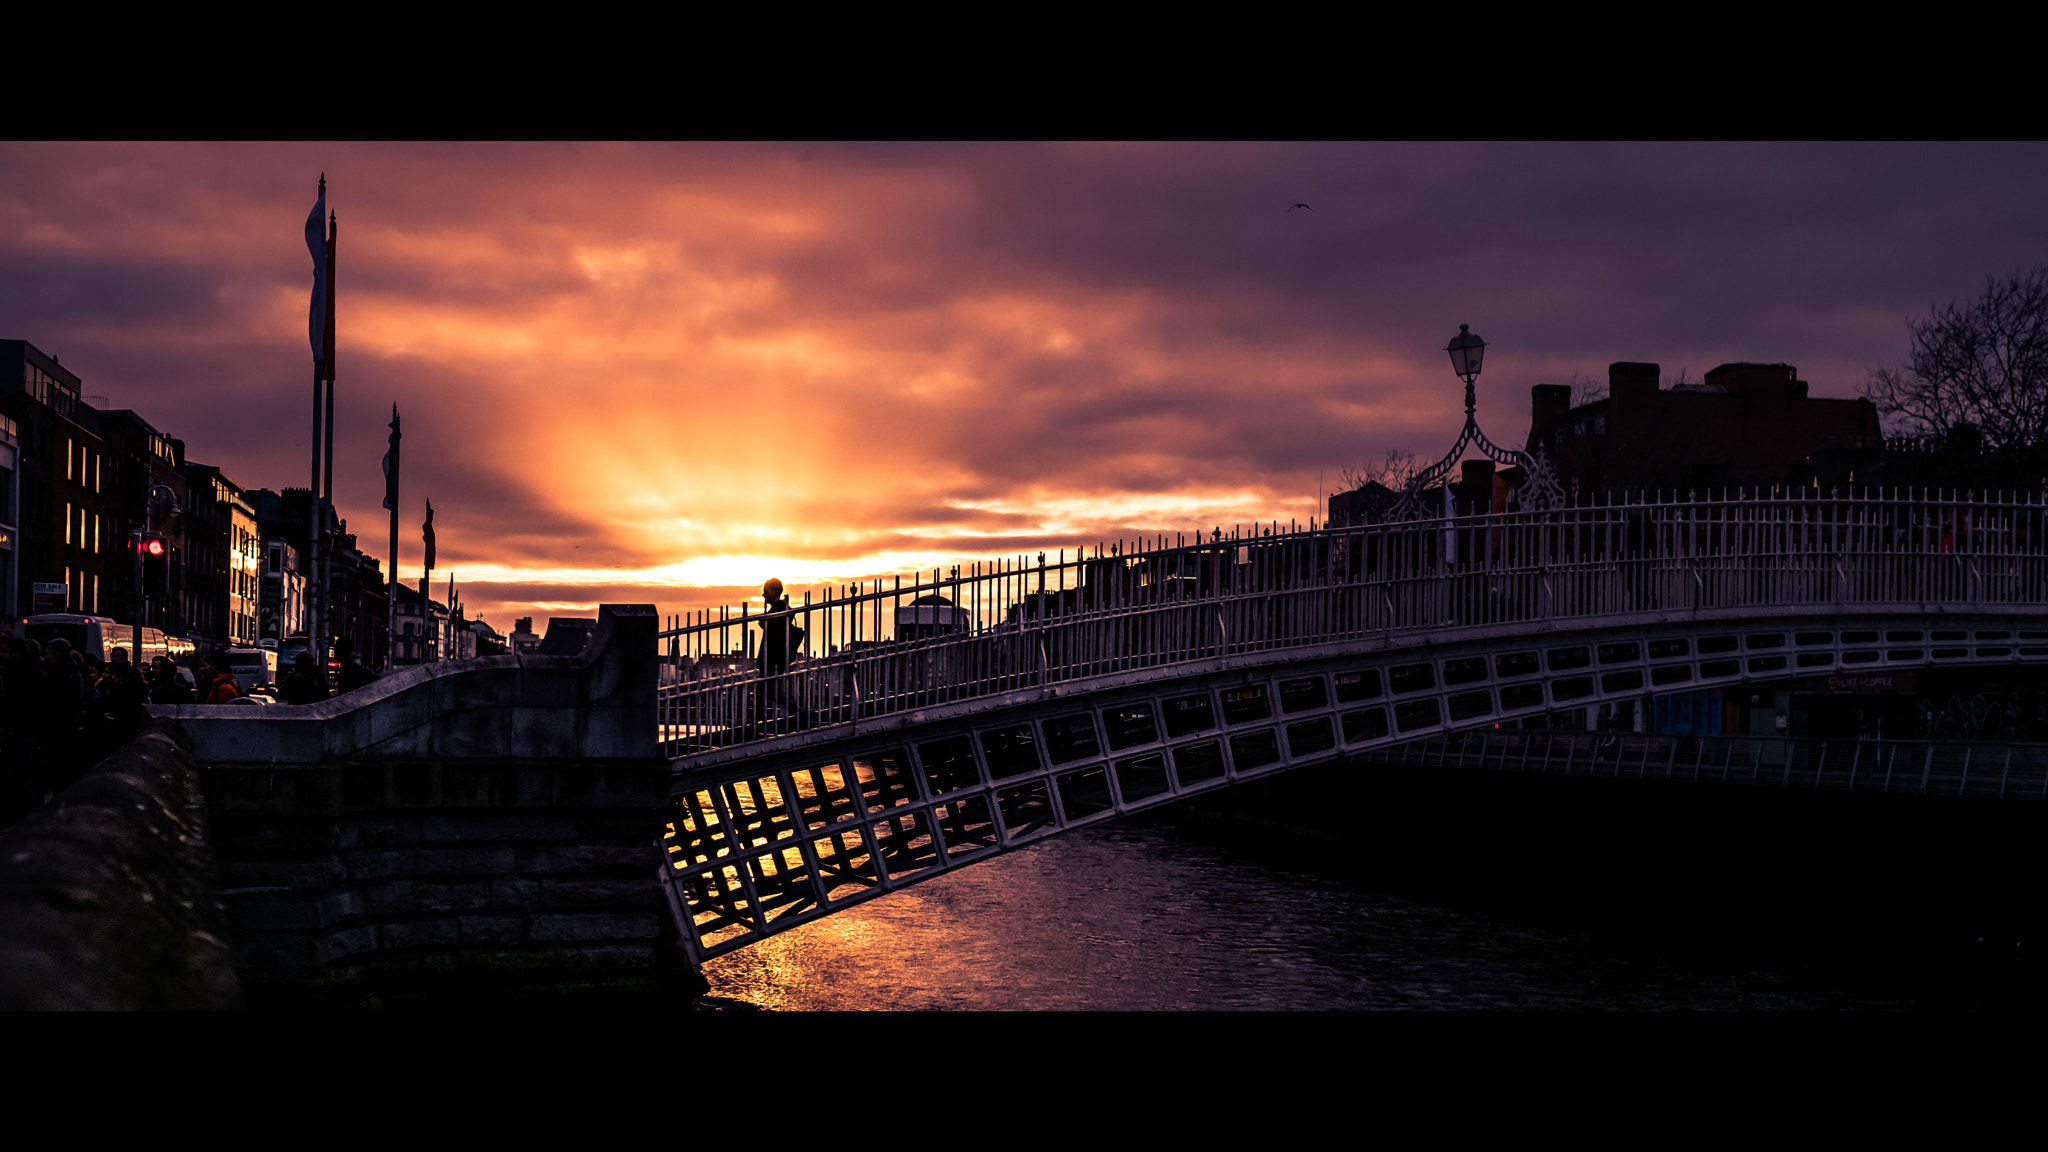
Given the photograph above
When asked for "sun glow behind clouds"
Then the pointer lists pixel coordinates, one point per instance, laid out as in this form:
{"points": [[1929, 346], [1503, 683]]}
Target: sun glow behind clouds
{"points": [[664, 372], [1056, 521], [1067, 514], [717, 571]]}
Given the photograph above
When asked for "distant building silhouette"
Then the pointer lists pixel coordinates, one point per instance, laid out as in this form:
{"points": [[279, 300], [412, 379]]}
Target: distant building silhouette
{"points": [[281, 606], [489, 641], [1957, 460], [423, 627], [1746, 425], [566, 636], [1367, 504], [523, 639]]}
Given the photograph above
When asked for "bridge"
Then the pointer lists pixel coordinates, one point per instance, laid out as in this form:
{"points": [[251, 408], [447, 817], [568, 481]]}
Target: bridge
{"points": [[481, 828], [921, 727]]}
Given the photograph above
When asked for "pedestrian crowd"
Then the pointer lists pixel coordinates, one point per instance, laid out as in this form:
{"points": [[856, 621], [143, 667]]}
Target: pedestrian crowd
{"points": [[62, 710]]}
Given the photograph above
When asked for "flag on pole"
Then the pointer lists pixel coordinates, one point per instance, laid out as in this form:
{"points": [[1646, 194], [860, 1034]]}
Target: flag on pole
{"points": [[316, 243], [327, 362], [391, 465], [428, 531]]}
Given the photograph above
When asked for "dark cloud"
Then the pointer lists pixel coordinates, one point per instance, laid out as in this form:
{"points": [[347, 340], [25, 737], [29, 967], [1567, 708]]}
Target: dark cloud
{"points": [[642, 356]]}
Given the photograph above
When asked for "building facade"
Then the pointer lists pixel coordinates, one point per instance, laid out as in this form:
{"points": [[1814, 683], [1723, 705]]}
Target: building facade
{"points": [[65, 542], [523, 640], [79, 486], [422, 626], [282, 612], [10, 519], [146, 493], [1746, 425], [223, 572]]}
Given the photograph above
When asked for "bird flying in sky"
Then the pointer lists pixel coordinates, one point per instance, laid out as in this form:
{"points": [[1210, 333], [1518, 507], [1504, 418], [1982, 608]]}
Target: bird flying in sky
{"points": [[1300, 206]]}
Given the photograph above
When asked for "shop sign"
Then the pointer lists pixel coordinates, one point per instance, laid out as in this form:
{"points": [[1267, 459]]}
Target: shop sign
{"points": [[1885, 682]]}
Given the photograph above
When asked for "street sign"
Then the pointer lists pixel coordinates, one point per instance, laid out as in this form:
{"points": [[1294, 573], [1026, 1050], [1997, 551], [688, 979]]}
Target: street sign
{"points": [[50, 597]]}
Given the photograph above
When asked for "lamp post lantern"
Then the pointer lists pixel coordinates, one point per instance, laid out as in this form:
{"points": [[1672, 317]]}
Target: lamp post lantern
{"points": [[1538, 492], [1466, 350]]}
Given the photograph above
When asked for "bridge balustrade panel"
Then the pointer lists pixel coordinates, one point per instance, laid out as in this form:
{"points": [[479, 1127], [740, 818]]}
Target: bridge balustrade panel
{"points": [[1984, 771], [1007, 627]]}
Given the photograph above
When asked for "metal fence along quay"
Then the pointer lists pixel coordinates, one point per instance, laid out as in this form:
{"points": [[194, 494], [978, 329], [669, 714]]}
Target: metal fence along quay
{"points": [[995, 629], [1991, 771]]}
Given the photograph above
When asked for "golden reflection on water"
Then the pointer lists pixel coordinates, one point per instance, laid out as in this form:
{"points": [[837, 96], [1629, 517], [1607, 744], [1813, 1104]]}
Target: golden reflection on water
{"points": [[1114, 917]]}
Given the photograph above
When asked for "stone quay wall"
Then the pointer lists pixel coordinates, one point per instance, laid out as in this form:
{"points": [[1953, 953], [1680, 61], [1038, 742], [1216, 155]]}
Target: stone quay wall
{"points": [[474, 830], [109, 897]]}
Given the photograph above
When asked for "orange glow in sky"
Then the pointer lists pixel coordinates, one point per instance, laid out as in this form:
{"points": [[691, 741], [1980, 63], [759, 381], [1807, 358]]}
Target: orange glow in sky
{"points": [[663, 373]]}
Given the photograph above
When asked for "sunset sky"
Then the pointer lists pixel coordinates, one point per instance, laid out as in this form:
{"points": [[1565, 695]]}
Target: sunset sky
{"points": [[663, 372]]}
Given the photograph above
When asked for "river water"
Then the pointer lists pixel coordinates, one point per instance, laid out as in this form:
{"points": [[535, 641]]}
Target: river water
{"points": [[1162, 913]]}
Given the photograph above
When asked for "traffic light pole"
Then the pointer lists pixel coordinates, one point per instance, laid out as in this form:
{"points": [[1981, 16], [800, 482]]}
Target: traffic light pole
{"points": [[141, 597], [140, 544]]}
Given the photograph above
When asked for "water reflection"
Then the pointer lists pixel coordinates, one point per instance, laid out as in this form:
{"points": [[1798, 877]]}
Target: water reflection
{"points": [[1139, 917]]}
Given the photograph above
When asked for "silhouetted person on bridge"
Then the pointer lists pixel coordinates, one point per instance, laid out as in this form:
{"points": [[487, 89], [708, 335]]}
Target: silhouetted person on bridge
{"points": [[779, 637]]}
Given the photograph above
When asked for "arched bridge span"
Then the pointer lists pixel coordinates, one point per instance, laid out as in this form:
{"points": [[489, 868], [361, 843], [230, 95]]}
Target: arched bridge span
{"points": [[1013, 704]]}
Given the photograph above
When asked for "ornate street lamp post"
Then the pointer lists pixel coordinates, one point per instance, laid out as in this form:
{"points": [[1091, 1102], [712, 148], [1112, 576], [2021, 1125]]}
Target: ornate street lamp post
{"points": [[1538, 492]]}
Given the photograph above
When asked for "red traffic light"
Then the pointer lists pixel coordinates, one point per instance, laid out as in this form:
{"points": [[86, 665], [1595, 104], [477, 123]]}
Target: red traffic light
{"points": [[153, 546]]}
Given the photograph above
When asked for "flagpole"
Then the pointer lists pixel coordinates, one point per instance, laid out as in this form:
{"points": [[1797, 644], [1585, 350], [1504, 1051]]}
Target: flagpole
{"points": [[391, 589], [316, 325], [313, 515], [428, 636], [327, 464]]}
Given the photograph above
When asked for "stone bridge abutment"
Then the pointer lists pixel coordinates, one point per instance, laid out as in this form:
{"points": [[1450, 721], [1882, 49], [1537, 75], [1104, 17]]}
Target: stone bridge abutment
{"points": [[477, 829]]}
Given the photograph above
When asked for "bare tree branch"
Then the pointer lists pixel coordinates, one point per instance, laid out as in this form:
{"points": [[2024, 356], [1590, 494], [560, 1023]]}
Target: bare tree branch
{"points": [[1981, 362], [1586, 391], [1394, 472]]}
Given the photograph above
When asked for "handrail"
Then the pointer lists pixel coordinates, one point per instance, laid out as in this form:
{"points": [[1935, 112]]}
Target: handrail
{"points": [[995, 627]]}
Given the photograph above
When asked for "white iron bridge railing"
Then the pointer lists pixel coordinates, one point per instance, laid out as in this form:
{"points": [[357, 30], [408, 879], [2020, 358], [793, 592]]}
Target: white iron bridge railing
{"points": [[994, 628]]}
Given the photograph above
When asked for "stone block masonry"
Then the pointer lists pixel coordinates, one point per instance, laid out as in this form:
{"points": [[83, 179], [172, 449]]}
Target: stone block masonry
{"points": [[471, 832], [109, 897], [406, 890]]}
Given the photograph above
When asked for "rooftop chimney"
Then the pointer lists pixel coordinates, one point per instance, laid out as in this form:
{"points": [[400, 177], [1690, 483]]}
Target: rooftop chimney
{"points": [[1547, 406]]}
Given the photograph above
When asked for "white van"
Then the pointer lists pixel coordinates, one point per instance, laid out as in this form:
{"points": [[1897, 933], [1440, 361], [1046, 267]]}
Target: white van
{"points": [[252, 666]]}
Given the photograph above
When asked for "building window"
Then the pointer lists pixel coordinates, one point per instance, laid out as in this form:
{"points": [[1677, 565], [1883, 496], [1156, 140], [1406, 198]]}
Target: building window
{"points": [[67, 526], [70, 457]]}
